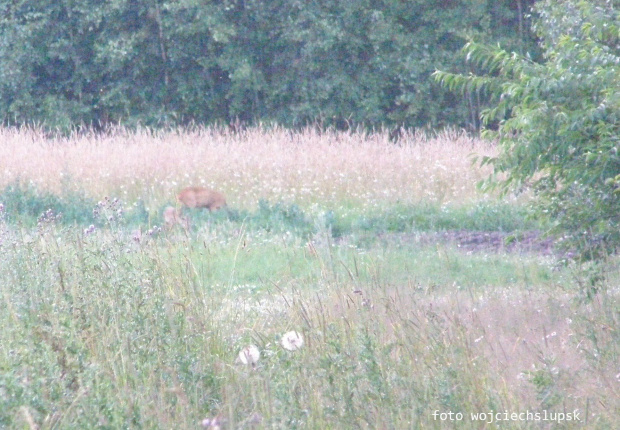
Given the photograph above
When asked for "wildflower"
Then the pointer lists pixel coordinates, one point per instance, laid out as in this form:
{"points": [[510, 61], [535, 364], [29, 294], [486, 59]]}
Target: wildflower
{"points": [[292, 341], [136, 235], [215, 423], [89, 230], [153, 231], [249, 355]]}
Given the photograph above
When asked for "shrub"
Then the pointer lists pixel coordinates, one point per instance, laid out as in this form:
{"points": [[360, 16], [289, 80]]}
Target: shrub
{"points": [[25, 203], [557, 122]]}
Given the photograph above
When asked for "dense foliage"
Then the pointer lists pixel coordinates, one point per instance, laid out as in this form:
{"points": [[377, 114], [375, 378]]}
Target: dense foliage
{"points": [[559, 121], [174, 62]]}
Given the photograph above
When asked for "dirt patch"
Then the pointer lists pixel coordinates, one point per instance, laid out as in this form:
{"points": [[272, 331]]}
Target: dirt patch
{"points": [[487, 241], [497, 241]]}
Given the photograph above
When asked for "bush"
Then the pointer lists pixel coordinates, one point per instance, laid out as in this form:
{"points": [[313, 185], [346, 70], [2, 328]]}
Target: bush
{"points": [[558, 122], [279, 217], [25, 203]]}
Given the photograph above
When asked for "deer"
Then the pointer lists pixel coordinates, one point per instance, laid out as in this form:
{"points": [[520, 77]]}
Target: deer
{"points": [[200, 197]]}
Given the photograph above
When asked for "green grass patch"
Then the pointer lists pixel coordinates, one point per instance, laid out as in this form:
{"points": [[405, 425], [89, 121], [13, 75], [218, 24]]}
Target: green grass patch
{"points": [[279, 218], [256, 258], [496, 216], [25, 204], [101, 329]]}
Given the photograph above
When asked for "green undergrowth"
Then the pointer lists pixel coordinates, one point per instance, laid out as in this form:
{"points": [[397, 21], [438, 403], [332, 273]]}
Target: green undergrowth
{"points": [[24, 204], [484, 216], [259, 259], [106, 327]]}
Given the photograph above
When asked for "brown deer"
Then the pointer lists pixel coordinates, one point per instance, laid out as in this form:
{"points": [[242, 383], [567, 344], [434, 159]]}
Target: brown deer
{"points": [[172, 216], [199, 197]]}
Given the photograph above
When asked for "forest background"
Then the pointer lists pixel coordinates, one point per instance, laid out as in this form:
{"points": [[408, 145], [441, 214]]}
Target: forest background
{"points": [[290, 62]]}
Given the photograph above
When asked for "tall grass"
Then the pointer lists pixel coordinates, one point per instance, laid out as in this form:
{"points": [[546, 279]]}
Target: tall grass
{"points": [[307, 168], [102, 329], [108, 321]]}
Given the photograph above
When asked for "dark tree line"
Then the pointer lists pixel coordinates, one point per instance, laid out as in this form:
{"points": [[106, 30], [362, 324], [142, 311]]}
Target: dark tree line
{"points": [[165, 62]]}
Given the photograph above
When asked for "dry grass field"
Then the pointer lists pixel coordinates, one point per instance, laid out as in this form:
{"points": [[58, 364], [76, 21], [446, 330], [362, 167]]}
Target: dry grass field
{"points": [[108, 321], [306, 168]]}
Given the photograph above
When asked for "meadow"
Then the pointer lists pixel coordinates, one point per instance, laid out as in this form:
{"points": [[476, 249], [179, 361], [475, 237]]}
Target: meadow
{"points": [[350, 241]]}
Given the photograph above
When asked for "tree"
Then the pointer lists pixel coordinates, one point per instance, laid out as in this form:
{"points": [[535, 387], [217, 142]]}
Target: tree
{"points": [[558, 121], [168, 62], [45, 69]]}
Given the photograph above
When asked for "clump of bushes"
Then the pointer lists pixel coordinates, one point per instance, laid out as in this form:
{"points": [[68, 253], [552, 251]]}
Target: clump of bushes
{"points": [[24, 203]]}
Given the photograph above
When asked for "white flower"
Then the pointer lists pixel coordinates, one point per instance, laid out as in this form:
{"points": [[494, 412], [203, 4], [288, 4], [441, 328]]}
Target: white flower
{"points": [[214, 424], [249, 355], [292, 341]]}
